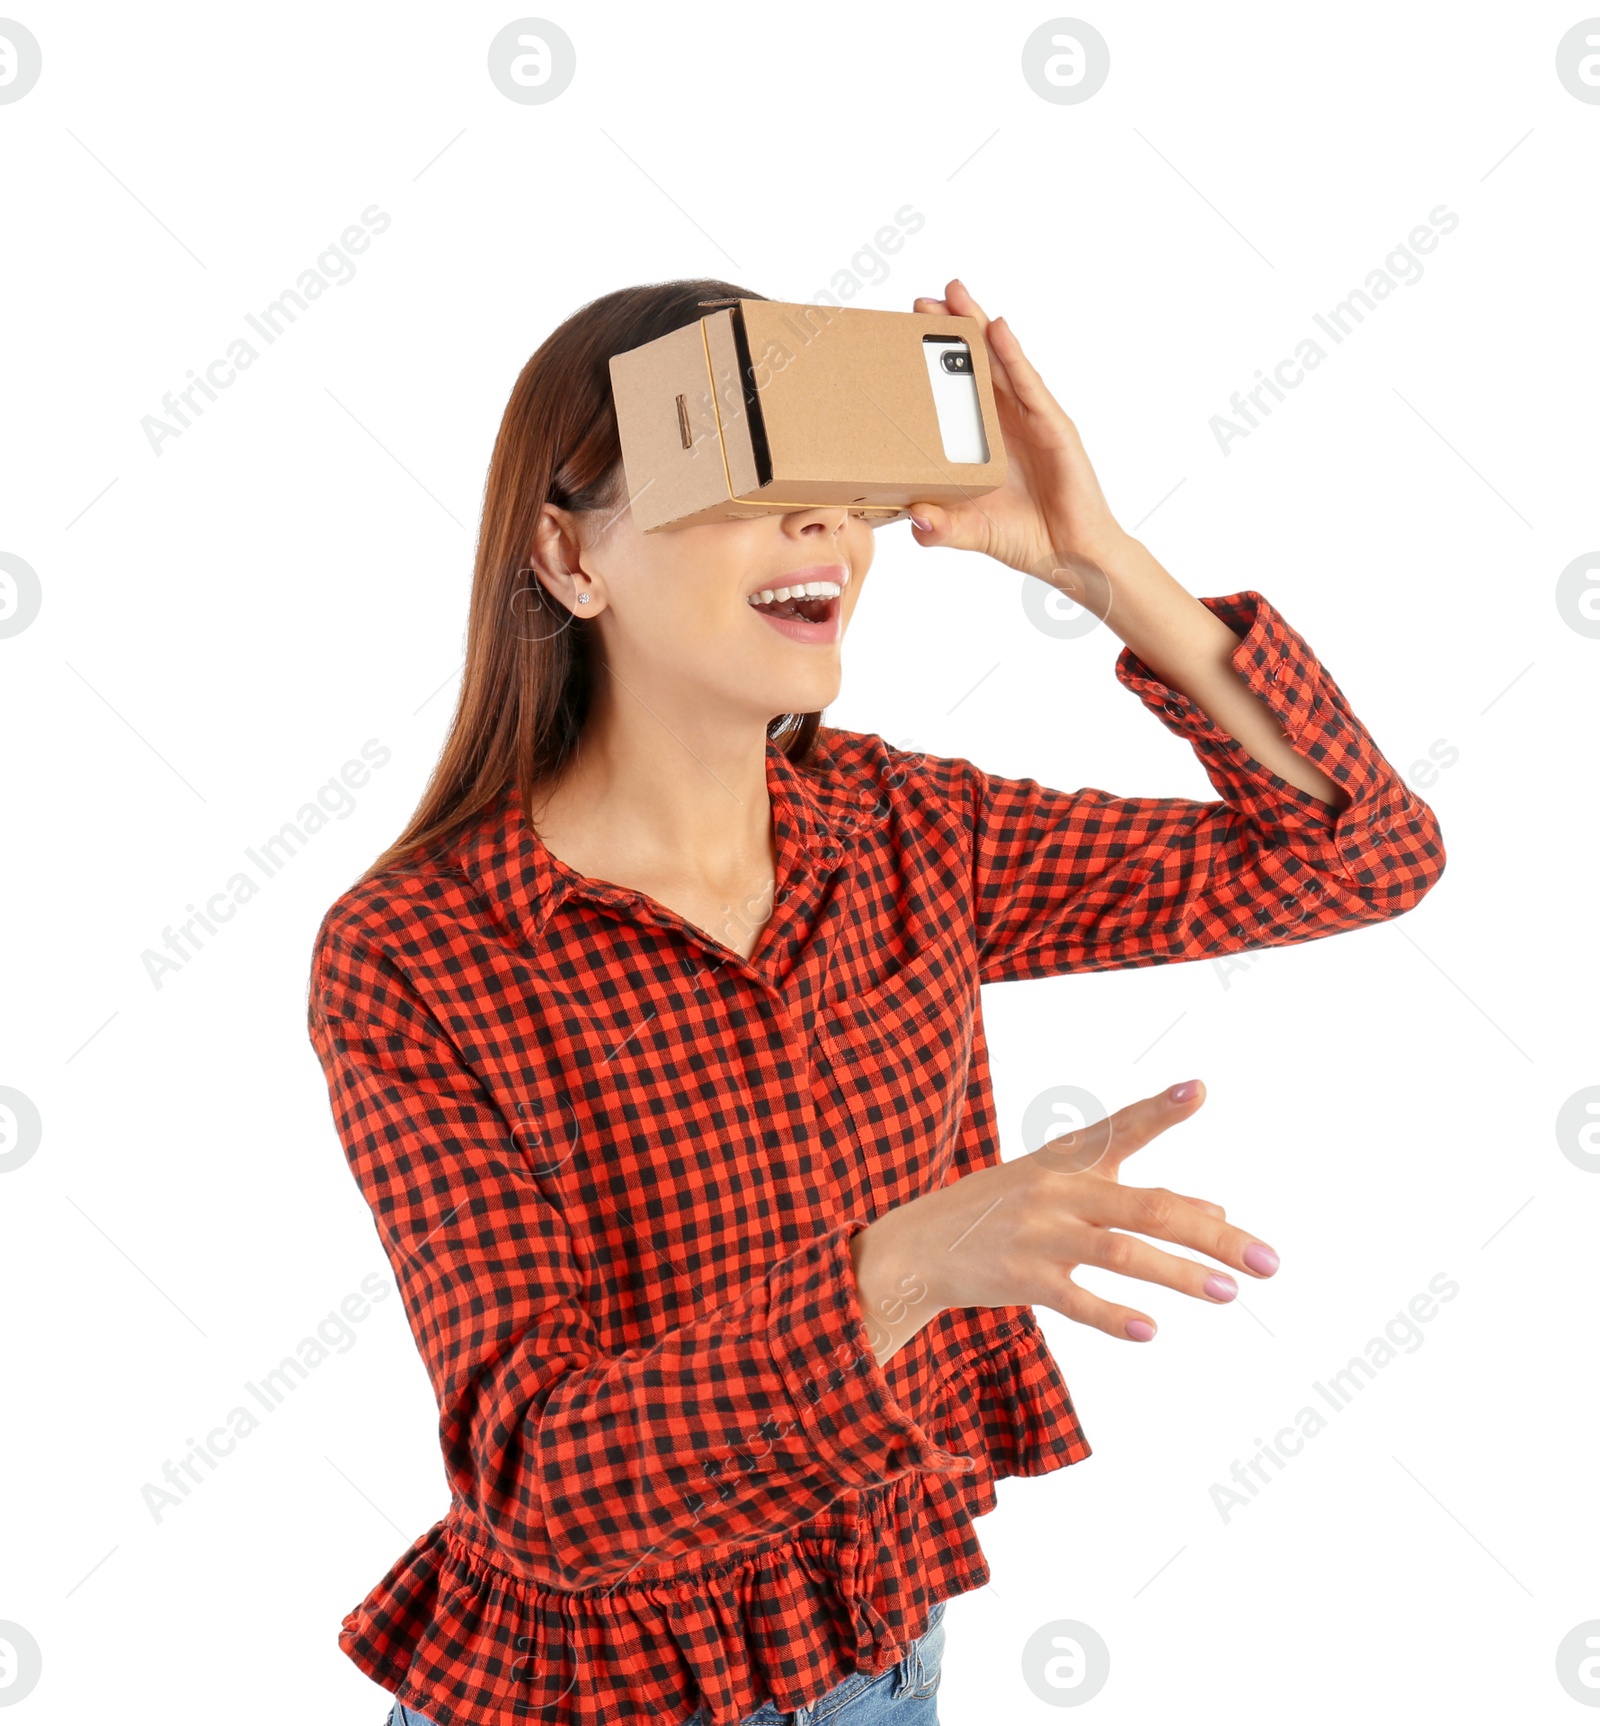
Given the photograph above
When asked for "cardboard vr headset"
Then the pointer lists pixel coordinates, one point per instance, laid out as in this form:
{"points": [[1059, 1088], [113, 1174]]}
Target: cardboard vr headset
{"points": [[767, 406]]}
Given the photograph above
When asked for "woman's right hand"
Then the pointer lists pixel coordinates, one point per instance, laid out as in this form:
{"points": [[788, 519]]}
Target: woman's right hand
{"points": [[1013, 1234]]}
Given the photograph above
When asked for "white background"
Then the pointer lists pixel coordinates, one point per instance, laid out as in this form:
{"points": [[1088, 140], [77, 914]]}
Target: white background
{"points": [[224, 624]]}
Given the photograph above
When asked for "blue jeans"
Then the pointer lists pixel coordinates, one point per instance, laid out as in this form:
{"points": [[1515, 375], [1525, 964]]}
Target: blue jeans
{"points": [[902, 1696]]}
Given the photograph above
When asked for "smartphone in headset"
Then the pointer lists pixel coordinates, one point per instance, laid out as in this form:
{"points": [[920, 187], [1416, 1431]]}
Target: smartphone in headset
{"points": [[955, 396]]}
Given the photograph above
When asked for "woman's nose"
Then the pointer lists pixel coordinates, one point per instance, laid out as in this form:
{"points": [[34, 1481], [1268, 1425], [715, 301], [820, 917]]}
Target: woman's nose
{"points": [[829, 518]]}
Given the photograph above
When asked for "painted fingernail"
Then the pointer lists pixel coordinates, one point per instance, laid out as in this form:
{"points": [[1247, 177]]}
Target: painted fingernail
{"points": [[917, 521], [1261, 1258], [1221, 1287], [1182, 1093], [1139, 1330]]}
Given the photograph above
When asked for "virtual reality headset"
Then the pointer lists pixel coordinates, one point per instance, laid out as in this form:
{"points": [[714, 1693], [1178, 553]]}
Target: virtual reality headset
{"points": [[762, 407]]}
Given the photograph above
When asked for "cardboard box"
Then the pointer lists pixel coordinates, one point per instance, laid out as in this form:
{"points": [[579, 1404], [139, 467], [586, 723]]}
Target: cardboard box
{"points": [[766, 406]]}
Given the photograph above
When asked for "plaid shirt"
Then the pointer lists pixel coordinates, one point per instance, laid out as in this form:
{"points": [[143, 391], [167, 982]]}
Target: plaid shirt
{"points": [[616, 1169]]}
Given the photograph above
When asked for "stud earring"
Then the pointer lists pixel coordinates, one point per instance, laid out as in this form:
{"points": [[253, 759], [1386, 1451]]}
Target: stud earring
{"points": [[583, 599]]}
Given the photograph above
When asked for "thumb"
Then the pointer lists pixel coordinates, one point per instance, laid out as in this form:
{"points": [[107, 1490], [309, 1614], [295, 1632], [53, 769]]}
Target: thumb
{"points": [[932, 525]]}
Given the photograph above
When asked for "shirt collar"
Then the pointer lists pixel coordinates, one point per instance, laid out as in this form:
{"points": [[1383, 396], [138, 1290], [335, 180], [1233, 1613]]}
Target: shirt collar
{"points": [[814, 817]]}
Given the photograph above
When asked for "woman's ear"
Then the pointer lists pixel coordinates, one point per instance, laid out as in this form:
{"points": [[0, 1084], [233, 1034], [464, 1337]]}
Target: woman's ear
{"points": [[557, 559]]}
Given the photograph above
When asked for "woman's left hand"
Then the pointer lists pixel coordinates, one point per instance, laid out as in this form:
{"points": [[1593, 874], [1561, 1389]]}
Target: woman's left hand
{"points": [[1050, 519]]}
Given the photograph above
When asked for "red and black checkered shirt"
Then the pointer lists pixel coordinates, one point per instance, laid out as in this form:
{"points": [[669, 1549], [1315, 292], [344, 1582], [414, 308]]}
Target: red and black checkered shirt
{"points": [[616, 1168]]}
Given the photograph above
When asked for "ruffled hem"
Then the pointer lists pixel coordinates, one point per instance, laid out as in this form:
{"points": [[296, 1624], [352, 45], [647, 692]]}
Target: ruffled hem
{"points": [[467, 1643]]}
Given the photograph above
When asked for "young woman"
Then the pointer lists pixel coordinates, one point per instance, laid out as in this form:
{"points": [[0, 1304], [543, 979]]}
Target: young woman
{"points": [[654, 1043]]}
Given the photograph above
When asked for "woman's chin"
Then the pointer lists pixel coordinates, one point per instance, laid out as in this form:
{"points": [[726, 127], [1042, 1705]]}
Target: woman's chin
{"points": [[805, 694]]}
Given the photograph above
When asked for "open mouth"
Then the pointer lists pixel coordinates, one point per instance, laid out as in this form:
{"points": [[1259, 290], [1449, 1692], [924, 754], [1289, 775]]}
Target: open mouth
{"points": [[808, 610], [813, 608]]}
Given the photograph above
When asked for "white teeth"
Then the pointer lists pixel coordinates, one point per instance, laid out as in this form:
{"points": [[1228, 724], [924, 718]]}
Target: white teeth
{"points": [[803, 590]]}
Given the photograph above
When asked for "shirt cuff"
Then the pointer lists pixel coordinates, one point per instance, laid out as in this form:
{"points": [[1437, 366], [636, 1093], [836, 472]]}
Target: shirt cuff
{"points": [[1277, 665], [840, 1394]]}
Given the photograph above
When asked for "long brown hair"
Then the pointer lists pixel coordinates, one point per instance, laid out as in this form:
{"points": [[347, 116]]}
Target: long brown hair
{"points": [[527, 685]]}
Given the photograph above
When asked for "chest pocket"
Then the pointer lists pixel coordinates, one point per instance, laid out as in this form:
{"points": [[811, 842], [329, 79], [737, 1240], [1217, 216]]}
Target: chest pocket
{"points": [[892, 1066]]}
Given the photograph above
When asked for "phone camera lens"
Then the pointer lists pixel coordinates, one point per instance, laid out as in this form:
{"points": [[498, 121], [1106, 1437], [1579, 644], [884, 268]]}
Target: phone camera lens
{"points": [[956, 362]]}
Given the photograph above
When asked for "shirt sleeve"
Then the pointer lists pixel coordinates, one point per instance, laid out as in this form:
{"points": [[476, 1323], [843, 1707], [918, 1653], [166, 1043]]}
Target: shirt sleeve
{"points": [[736, 1426], [1086, 881]]}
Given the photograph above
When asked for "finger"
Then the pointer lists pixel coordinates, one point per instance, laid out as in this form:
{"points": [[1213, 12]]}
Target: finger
{"points": [[958, 299], [1169, 1216], [1128, 1256], [1203, 1204], [1006, 385], [929, 523], [1103, 1145], [997, 370], [1082, 1307], [1134, 1126], [932, 524], [968, 527], [1026, 384]]}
